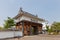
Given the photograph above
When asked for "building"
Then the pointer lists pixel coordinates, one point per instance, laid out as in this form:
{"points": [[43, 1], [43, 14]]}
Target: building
{"points": [[27, 23]]}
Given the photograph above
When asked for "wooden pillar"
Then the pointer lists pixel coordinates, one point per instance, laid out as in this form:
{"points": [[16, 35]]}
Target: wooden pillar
{"points": [[30, 30], [20, 27], [39, 29], [16, 27], [25, 30]]}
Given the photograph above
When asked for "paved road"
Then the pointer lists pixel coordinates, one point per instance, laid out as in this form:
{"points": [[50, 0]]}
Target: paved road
{"points": [[39, 37]]}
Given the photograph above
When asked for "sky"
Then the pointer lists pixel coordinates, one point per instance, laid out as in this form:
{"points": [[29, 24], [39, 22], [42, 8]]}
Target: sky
{"points": [[46, 9]]}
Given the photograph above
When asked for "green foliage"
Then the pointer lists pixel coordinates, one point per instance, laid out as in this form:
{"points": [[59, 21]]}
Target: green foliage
{"points": [[47, 27], [55, 28], [1, 28], [9, 23], [49, 30]]}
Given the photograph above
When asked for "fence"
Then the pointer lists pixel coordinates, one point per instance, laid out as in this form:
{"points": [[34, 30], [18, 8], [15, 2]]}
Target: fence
{"points": [[10, 34]]}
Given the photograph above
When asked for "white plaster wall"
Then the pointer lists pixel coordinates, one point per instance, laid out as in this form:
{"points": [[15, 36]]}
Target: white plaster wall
{"points": [[40, 21], [44, 26], [18, 33], [9, 34], [25, 18]]}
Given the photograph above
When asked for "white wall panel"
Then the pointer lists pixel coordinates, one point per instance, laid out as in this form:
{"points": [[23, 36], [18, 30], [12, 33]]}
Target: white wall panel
{"points": [[9, 34]]}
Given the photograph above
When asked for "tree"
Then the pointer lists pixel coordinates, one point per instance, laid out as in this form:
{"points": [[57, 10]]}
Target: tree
{"points": [[9, 23], [47, 27], [1, 28], [55, 27], [49, 30]]}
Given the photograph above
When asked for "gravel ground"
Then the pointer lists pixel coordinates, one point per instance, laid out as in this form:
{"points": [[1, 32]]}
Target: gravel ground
{"points": [[39, 37]]}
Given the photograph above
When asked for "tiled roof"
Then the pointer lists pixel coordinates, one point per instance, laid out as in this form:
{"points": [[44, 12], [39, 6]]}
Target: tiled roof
{"points": [[25, 13], [21, 12]]}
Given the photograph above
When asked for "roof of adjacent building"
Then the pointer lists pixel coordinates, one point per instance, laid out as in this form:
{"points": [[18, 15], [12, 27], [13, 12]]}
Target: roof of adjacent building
{"points": [[21, 12]]}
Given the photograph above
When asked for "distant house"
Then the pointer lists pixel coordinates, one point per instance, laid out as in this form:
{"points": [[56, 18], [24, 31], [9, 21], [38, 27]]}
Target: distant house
{"points": [[27, 23]]}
